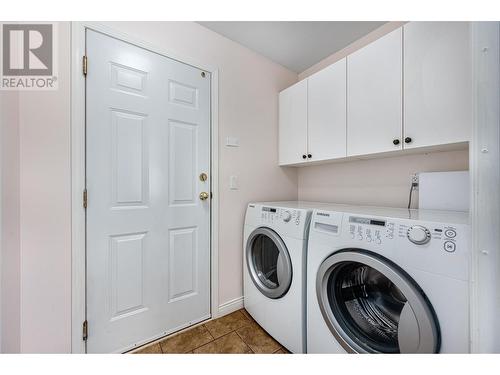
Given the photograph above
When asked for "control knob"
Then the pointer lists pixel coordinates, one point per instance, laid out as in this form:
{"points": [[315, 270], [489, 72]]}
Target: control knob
{"points": [[419, 235], [287, 216]]}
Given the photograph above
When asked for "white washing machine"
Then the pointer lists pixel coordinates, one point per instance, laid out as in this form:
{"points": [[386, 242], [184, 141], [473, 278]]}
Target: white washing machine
{"points": [[383, 280], [274, 254]]}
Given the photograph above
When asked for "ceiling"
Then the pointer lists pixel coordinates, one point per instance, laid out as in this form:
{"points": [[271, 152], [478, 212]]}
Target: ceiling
{"points": [[296, 45]]}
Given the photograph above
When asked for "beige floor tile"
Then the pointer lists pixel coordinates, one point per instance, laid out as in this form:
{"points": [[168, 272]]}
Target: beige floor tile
{"points": [[228, 344], [247, 315], [257, 339], [150, 349], [186, 341], [226, 324], [281, 351]]}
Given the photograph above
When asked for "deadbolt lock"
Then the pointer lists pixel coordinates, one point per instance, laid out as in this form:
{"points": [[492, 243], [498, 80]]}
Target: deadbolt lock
{"points": [[203, 176], [203, 195]]}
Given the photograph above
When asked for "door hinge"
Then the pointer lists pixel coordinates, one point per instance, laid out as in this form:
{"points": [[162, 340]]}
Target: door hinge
{"points": [[84, 65], [85, 330], [211, 195], [85, 195]]}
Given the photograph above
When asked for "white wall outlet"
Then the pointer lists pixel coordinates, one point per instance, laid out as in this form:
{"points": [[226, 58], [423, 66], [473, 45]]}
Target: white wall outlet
{"points": [[414, 181], [233, 182], [232, 142]]}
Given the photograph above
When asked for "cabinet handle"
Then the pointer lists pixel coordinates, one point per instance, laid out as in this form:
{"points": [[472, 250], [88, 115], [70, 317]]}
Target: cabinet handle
{"points": [[407, 140], [304, 156], [309, 156], [396, 142]]}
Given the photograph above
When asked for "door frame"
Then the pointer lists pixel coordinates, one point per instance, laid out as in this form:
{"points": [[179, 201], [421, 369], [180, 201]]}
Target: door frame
{"points": [[78, 227]]}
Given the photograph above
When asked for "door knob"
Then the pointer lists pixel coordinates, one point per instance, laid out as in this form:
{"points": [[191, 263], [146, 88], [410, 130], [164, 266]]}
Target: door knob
{"points": [[203, 195], [304, 156], [407, 140], [396, 142]]}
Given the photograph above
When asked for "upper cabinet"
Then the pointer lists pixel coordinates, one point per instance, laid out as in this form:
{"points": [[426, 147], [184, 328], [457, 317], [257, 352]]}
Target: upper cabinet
{"points": [[409, 89], [374, 96], [293, 124], [326, 113], [312, 123], [437, 83]]}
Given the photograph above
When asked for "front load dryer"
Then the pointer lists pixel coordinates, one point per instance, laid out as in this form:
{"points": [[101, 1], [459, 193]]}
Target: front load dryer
{"points": [[274, 257], [383, 280]]}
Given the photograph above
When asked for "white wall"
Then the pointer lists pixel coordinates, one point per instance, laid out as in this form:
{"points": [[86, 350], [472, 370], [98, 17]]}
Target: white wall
{"points": [[10, 246], [383, 182], [248, 109], [45, 212]]}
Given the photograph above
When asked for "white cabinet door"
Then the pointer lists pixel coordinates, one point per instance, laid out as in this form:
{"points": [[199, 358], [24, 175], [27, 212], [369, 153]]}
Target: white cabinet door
{"points": [[327, 112], [293, 124], [374, 96], [437, 83]]}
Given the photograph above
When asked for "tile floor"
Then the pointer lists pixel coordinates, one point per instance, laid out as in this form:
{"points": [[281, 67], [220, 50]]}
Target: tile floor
{"points": [[235, 333]]}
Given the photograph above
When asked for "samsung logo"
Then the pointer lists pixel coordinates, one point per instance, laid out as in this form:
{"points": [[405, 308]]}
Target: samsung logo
{"points": [[322, 214]]}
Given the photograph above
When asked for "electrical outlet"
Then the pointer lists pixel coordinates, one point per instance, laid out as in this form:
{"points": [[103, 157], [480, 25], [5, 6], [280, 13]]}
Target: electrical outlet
{"points": [[414, 181]]}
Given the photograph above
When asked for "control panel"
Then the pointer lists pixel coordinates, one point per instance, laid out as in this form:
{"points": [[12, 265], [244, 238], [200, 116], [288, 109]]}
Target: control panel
{"points": [[369, 230], [445, 235], [272, 215], [430, 245], [377, 231]]}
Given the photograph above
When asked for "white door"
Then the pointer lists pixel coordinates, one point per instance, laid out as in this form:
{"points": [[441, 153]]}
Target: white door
{"points": [[293, 124], [148, 254], [326, 112], [374, 96], [437, 83]]}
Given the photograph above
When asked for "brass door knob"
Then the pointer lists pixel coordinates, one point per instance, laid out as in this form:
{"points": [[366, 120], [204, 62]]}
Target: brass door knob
{"points": [[203, 195]]}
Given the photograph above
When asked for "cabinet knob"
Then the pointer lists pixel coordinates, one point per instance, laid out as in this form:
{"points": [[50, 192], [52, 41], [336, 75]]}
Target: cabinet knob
{"points": [[407, 140], [309, 156], [304, 156], [396, 142]]}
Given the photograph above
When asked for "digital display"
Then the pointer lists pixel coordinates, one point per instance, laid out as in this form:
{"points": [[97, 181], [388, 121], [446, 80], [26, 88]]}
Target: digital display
{"points": [[364, 220], [268, 209]]}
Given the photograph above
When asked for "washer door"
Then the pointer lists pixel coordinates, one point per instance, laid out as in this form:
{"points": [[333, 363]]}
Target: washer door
{"points": [[268, 262], [372, 306]]}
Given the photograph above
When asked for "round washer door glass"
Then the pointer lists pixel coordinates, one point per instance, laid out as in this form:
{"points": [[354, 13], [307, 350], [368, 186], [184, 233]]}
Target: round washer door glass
{"points": [[268, 262], [372, 306]]}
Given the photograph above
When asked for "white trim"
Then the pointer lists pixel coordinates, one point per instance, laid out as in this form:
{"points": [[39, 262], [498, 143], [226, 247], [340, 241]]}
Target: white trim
{"points": [[485, 195], [78, 169], [78, 307], [214, 208], [1, 217], [230, 306]]}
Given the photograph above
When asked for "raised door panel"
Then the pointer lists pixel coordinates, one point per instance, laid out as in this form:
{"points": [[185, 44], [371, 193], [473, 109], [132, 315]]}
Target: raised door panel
{"points": [[326, 111], [374, 96], [183, 163], [126, 275], [293, 124], [437, 83]]}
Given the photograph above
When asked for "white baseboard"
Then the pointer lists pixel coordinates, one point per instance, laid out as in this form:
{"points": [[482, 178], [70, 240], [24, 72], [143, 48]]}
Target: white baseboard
{"points": [[230, 306]]}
